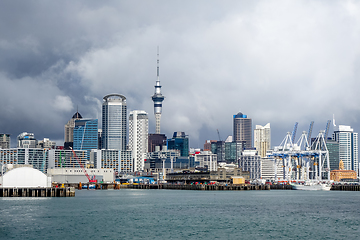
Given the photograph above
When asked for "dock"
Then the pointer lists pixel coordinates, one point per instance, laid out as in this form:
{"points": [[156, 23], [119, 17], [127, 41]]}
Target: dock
{"points": [[37, 192]]}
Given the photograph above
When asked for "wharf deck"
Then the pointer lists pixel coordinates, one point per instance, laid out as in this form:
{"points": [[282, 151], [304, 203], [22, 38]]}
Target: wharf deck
{"points": [[37, 192], [198, 187]]}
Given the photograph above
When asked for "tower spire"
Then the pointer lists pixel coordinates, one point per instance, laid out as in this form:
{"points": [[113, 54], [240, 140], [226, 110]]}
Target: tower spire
{"points": [[158, 97]]}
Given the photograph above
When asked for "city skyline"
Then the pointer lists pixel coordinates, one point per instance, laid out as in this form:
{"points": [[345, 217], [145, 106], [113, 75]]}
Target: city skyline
{"points": [[279, 62]]}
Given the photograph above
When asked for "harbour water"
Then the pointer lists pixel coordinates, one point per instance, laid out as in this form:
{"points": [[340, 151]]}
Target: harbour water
{"points": [[175, 214]]}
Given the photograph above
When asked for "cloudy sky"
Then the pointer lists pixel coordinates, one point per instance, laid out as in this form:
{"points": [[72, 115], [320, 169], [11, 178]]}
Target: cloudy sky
{"points": [[276, 61]]}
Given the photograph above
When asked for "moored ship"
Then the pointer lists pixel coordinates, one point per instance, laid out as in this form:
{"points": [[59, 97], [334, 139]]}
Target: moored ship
{"points": [[312, 186]]}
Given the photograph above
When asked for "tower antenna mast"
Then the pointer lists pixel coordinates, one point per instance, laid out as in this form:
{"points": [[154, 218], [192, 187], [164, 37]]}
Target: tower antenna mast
{"points": [[157, 98]]}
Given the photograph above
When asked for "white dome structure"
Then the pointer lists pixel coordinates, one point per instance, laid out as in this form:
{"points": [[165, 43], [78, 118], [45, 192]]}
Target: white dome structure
{"points": [[25, 177]]}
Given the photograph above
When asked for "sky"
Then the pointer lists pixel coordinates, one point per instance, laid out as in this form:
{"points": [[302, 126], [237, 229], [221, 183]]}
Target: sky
{"points": [[278, 62]]}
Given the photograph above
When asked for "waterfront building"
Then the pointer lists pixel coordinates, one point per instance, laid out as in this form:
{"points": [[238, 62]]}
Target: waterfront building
{"points": [[85, 134], [206, 159], [26, 140], [69, 130], [250, 161], [180, 141], [271, 169], [157, 98], [262, 139], [114, 122], [155, 140], [224, 175], [168, 160], [242, 129], [348, 147], [333, 148], [138, 137], [4, 140], [337, 175], [36, 157], [119, 161], [62, 158], [76, 175]]}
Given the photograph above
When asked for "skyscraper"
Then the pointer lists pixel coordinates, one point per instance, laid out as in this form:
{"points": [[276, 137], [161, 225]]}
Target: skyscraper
{"points": [[157, 98], [69, 130], [348, 147], [85, 134], [138, 137], [262, 139], [242, 129], [179, 142], [4, 140], [114, 122]]}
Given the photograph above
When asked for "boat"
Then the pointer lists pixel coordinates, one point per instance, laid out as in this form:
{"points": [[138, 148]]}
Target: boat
{"points": [[311, 186]]}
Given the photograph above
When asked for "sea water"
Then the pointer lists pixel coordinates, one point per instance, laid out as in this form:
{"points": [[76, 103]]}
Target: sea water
{"points": [[180, 214]]}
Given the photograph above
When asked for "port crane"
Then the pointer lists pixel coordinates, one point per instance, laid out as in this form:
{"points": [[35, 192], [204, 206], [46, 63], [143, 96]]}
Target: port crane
{"points": [[91, 180], [303, 160]]}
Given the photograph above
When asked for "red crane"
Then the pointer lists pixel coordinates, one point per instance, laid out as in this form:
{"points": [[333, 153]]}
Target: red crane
{"points": [[91, 180]]}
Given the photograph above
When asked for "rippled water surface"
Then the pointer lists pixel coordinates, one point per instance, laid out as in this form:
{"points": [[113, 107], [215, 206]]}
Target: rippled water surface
{"points": [[174, 214]]}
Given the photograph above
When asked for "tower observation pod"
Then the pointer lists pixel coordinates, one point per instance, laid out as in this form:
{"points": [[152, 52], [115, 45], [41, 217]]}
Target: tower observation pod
{"points": [[157, 98]]}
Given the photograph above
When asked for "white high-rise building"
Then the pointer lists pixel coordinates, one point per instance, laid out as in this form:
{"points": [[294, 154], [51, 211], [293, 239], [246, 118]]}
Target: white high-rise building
{"points": [[262, 139], [348, 147], [138, 137], [114, 122]]}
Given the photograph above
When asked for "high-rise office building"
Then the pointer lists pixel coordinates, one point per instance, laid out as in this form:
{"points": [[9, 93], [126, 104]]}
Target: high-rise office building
{"points": [[138, 137], [157, 98], [114, 122], [262, 139], [156, 140], [85, 134], [4, 140], [179, 142], [242, 129], [26, 140], [333, 148], [348, 147], [69, 130]]}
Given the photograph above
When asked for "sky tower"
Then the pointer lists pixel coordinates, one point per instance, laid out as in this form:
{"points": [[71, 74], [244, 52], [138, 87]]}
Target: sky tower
{"points": [[157, 98]]}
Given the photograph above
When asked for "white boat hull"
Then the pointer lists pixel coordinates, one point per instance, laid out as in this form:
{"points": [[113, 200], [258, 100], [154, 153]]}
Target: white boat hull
{"points": [[312, 187]]}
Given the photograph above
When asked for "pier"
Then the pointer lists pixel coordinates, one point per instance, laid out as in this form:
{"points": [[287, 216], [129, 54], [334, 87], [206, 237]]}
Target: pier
{"points": [[37, 192]]}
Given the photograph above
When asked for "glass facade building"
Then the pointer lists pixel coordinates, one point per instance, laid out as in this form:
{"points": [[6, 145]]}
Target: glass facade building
{"points": [[242, 129], [85, 134], [333, 148], [233, 151], [114, 122], [348, 147], [179, 142]]}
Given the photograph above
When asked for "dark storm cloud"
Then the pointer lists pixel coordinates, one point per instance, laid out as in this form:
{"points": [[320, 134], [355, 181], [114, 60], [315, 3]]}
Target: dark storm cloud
{"points": [[276, 61]]}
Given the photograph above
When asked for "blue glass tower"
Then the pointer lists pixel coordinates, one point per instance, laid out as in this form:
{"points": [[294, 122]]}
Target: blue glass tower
{"points": [[179, 142], [86, 134]]}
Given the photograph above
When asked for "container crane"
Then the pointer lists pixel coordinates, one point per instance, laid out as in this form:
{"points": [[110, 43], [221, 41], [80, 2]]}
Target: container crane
{"points": [[294, 133], [310, 132], [91, 180], [327, 130], [218, 134]]}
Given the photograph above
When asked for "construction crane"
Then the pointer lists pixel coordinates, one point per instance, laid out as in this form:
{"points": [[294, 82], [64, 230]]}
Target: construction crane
{"points": [[327, 130], [310, 132], [218, 134], [294, 132], [91, 180]]}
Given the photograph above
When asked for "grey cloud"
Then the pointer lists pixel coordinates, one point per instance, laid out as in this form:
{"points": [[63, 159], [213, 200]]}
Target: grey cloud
{"points": [[276, 61]]}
